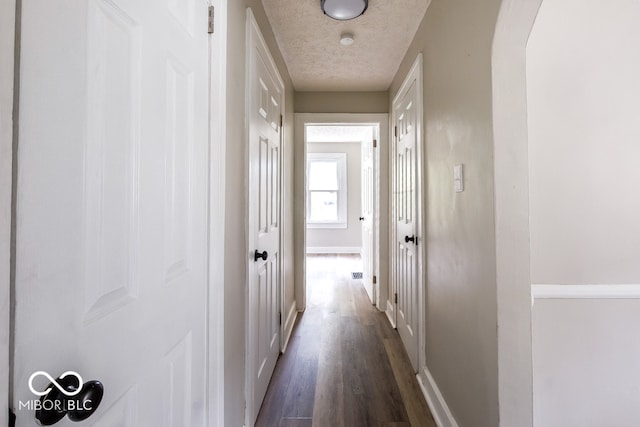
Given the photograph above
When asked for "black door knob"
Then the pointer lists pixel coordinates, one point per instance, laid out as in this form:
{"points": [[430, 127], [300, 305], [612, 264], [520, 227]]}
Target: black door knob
{"points": [[87, 401], [68, 396], [408, 239], [361, 218], [257, 255]]}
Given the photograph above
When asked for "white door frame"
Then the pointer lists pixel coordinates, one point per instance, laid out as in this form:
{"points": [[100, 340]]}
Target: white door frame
{"points": [[217, 162], [414, 75], [249, 51], [7, 31], [300, 209]]}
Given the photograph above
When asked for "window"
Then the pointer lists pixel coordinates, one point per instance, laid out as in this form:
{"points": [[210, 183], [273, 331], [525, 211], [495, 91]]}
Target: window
{"points": [[327, 190]]}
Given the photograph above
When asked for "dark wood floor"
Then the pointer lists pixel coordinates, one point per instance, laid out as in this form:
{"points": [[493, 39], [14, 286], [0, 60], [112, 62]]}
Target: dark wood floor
{"points": [[345, 365]]}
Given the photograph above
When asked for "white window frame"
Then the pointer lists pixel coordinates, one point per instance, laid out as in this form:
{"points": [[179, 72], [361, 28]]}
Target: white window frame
{"points": [[341, 161]]}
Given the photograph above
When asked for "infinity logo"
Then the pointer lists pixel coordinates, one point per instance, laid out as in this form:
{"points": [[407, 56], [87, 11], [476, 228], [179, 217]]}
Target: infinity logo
{"points": [[55, 383]]}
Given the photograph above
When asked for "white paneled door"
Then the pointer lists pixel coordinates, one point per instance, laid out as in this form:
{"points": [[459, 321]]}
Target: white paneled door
{"points": [[111, 223], [368, 195], [407, 220], [265, 108]]}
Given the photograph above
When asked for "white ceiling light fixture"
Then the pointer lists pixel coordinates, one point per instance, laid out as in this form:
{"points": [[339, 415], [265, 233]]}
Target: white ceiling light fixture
{"points": [[346, 39], [343, 10]]}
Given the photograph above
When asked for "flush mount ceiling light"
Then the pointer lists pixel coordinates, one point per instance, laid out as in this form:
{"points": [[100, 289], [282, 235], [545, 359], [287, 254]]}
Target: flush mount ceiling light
{"points": [[346, 39], [343, 10]]}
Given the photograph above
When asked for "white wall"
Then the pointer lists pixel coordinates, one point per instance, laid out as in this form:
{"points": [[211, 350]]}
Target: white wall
{"points": [[583, 91], [7, 22], [585, 365], [583, 64], [350, 237]]}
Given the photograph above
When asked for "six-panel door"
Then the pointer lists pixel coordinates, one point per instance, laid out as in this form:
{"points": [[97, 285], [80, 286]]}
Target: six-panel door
{"points": [[406, 241], [111, 217], [265, 109]]}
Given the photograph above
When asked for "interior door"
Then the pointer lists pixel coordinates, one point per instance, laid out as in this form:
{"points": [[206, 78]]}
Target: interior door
{"points": [[367, 217], [406, 222], [111, 219], [265, 109]]}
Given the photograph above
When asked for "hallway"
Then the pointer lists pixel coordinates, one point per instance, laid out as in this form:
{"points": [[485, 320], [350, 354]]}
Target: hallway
{"points": [[345, 365], [154, 207]]}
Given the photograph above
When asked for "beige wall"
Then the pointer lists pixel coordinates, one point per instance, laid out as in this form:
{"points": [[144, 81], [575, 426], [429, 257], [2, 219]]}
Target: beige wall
{"points": [[342, 102], [7, 24], [583, 96], [235, 202], [352, 235], [455, 38]]}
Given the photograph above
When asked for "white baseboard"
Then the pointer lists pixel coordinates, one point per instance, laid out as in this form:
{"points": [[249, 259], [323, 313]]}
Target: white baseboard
{"points": [[437, 405], [288, 324], [368, 287], [630, 291], [388, 312], [334, 250]]}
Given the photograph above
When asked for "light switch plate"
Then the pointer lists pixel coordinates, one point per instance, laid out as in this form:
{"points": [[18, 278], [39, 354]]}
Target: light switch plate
{"points": [[458, 178]]}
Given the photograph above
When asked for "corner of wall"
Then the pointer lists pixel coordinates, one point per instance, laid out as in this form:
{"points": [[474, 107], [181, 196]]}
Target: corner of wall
{"points": [[511, 182]]}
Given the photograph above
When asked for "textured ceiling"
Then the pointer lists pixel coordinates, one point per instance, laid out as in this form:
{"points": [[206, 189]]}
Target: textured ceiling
{"points": [[310, 43]]}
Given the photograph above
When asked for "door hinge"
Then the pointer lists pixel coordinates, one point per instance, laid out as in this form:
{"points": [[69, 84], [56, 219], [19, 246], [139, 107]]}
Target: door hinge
{"points": [[279, 318], [375, 279], [395, 131], [396, 298], [12, 418], [281, 120], [211, 16], [375, 143]]}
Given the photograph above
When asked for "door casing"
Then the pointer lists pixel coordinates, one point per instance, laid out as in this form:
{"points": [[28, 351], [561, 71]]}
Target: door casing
{"points": [[216, 208], [7, 31], [300, 210]]}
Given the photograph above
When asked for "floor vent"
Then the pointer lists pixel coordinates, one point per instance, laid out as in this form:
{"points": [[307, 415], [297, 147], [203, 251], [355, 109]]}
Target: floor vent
{"points": [[356, 275]]}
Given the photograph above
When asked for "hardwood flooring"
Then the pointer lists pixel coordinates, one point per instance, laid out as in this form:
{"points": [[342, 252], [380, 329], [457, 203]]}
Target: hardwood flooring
{"points": [[345, 365]]}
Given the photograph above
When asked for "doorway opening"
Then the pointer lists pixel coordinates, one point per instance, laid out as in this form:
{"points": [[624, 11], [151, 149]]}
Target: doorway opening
{"points": [[339, 192], [340, 196]]}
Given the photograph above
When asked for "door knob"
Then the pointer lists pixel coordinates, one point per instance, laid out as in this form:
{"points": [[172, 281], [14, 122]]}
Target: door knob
{"points": [[87, 401], [408, 239], [257, 255], [68, 396], [361, 218]]}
